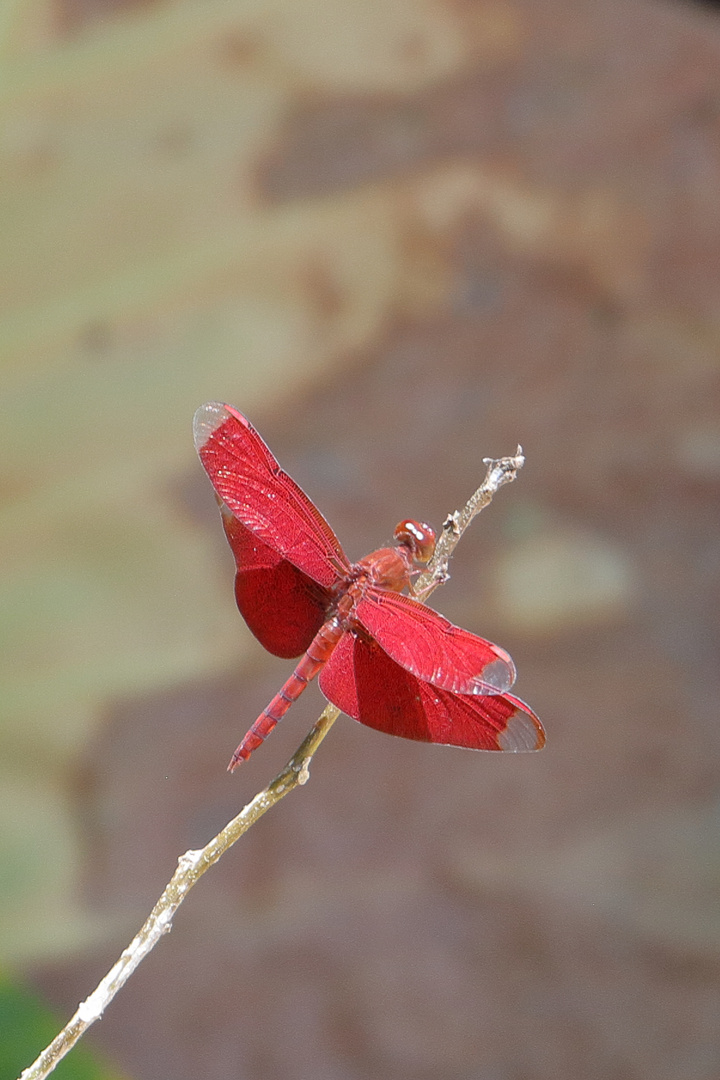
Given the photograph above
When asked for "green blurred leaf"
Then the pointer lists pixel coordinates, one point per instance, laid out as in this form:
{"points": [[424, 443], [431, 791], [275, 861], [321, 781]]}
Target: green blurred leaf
{"points": [[26, 1027]]}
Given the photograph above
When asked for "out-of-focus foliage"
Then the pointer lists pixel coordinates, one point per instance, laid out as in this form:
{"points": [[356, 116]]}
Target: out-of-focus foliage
{"points": [[26, 1027]]}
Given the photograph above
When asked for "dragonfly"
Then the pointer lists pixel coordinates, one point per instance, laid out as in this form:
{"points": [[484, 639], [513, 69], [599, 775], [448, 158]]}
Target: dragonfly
{"points": [[382, 657]]}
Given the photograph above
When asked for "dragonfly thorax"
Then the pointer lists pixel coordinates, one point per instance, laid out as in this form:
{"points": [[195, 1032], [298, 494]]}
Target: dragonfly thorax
{"points": [[393, 567], [387, 568]]}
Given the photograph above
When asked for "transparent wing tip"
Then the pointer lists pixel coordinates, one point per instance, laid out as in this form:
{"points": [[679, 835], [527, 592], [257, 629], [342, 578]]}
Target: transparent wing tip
{"points": [[523, 733], [496, 677], [207, 420]]}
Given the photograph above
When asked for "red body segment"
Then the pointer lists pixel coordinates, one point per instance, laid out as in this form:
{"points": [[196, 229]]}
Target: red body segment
{"points": [[315, 658], [384, 658]]}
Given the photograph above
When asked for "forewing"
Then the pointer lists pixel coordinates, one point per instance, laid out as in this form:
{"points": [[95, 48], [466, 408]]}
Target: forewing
{"points": [[264, 499], [429, 646], [364, 682], [283, 607]]}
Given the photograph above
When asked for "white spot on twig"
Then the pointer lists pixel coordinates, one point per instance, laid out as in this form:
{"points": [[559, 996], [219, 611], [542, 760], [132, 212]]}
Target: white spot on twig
{"points": [[190, 860]]}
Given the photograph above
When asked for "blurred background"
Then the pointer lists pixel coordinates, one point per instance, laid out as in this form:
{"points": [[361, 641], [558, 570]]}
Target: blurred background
{"points": [[401, 236]]}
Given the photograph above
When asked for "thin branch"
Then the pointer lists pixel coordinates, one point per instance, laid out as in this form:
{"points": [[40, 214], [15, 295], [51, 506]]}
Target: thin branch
{"points": [[193, 864], [499, 471]]}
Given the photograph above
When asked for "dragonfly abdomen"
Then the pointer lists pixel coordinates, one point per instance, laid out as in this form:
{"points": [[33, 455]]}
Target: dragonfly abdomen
{"points": [[313, 660]]}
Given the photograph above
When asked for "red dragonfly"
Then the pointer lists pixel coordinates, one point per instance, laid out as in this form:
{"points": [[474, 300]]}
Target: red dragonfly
{"points": [[383, 658]]}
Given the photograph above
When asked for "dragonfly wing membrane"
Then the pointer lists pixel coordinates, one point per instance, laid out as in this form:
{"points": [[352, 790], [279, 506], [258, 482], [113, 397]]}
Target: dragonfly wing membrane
{"points": [[265, 500], [283, 607], [367, 684], [431, 647]]}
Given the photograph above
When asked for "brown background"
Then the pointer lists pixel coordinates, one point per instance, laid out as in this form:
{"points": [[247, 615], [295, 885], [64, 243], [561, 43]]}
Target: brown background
{"points": [[402, 237]]}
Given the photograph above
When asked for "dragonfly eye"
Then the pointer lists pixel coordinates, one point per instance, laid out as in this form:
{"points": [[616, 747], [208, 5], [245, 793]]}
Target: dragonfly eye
{"points": [[418, 537]]}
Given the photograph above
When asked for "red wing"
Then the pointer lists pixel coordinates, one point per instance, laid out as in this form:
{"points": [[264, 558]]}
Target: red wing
{"points": [[429, 646], [363, 681], [283, 607], [262, 497]]}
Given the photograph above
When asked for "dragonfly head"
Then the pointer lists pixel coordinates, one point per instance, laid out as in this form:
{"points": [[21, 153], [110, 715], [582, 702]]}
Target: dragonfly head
{"points": [[418, 538]]}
